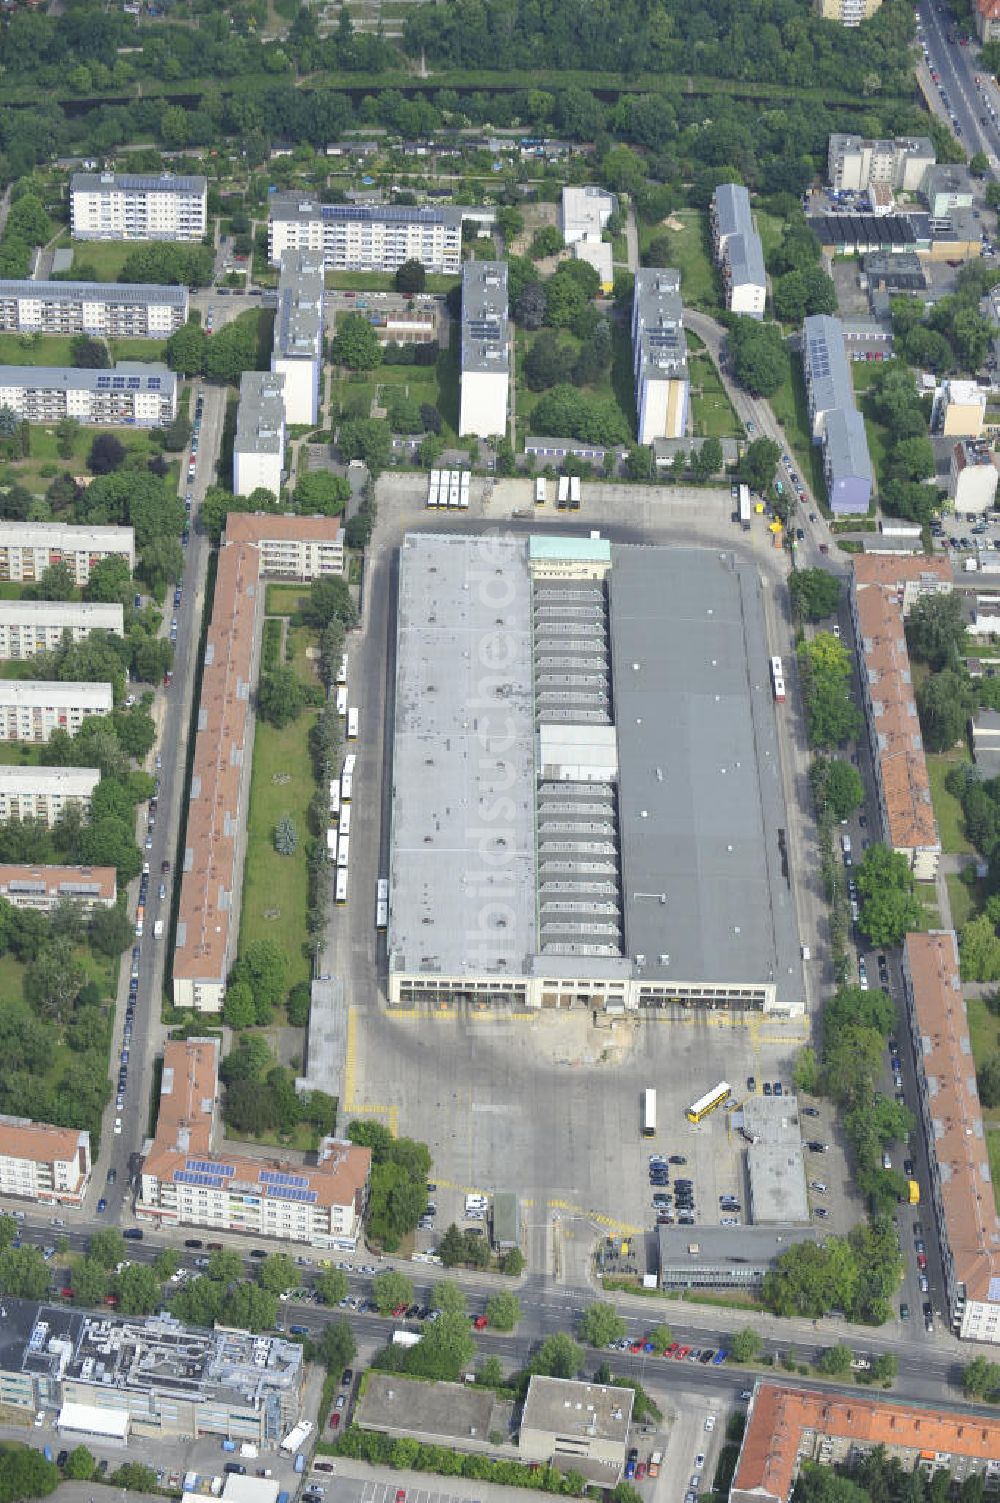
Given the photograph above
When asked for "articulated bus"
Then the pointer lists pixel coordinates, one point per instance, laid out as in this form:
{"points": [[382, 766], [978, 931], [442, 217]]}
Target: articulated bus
{"points": [[648, 1112], [341, 896], [715, 1097]]}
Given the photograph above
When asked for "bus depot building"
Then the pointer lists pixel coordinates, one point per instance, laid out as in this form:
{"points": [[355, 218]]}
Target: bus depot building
{"points": [[587, 807]]}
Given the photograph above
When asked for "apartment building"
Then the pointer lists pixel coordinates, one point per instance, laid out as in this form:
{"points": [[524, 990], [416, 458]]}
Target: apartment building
{"points": [[856, 163], [987, 18], [485, 372], [946, 188], [30, 710], [585, 212], [127, 206], [960, 409], [43, 887], [788, 1425], [28, 548], [659, 353], [290, 547], [45, 792], [879, 585], [259, 445], [110, 310], [961, 1188], [972, 476], [298, 334], [49, 1165], [738, 250], [848, 12], [370, 237], [28, 627], [836, 422], [133, 393], [183, 1183]]}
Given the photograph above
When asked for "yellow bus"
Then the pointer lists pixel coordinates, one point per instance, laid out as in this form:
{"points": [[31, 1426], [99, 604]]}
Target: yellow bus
{"points": [[715, 1097]]}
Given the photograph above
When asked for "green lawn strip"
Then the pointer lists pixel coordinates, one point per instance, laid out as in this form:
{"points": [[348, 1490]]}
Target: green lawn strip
{"points": [[690, 255], [711, 410], [770, 229], [20, 753], [383, 281], [137, 349], [947, 809], [105, 257], [29, 349], [44, 462], [962, 899], [791, 410], [304, 1138], [993, 1149], [284, 599]]}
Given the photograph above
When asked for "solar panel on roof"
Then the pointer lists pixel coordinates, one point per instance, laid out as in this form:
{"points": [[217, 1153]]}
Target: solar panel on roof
{"points": [[206, 1181], [289, 1192], [274, 1177], [208, 1166]]}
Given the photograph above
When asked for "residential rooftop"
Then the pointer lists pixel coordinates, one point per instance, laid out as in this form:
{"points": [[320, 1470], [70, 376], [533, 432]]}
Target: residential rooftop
{"points": [[95, 614], [847, 445], [570, 1408], [67, 537], [136, 293], [298, 325], [84, 883], [298, 206], [132, 182], [39, 1142], [127, 375], [30, 694], [484, 317], [662, 352], [260, 416]]}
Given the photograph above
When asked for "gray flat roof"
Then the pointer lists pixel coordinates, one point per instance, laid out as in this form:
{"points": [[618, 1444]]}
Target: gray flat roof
{"points": [[94, 182], [847, 445], [95, 292], [741, 1248], [777, 1184], [298, 325], [658, 325], [701, 801], [828, 374], [299, 206], [734, 221], [129, 375], [484, 316], [260, 416], [461, 1410], [567, 1407]]}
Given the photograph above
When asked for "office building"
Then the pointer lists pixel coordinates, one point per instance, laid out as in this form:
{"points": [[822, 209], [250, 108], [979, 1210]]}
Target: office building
{"points": [[894, 273], [961, 1184], [125, 206], [946, 188], [718, 1257], [960, 409], [972, 476], [883, 589], [49, 1165], [659, 354], [132, 393], [485, 376], [848, 12], [854, 163], [183, 1183], [298, 334], [738, 250], [259, 445], [579, 1427], [28, 627], [27, 549], [43, 887], [836, 422], [461, 1416], [585, 212], [107, 310], [290, 547], [370, 237], [600, 729], [791, 1425], [45, 792], [30, 710]]}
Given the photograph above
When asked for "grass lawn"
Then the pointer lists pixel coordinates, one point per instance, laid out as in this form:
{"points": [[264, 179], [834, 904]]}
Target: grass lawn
{"points": [[137, 349], [299, 641], [11, 981], [690, 255], [711, 410], [304, 1137], [790, 408], [993, 1149], [769, 228], [966, 899], [383, 281], [947, 809], [45, 462], [284, 599], [55, 349], [20, 754], [104, 257]]}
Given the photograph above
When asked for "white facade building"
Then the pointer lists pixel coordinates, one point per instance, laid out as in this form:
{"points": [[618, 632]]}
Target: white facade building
{"points": [[485, 349], [854, 164], [738, 250], [259, 446], [585, 211], [659, 348], [30, 710], [28, 548], [107, 309], [291, 547], [370, 237], [111, 206], [50, 1165], [972, 476], [132, 393], [28, 627], [298, 334], [44, 792], [44, 887]]}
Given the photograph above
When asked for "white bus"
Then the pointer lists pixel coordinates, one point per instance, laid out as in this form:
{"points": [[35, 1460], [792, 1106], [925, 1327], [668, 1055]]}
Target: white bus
{"points": [[345, 820], [382, 890], [341, 892], [454, 487], [778, 680], [334, 797], [433, 488], [648, 1112], [562, 497], [343, 851], [707, 1103], [349, 762], [342, 670], [540, 491], [346, 784], [352, 724], [295, 1437], [342, 701], [463, 495], [331, 843], [574, 493], [382, 904]]}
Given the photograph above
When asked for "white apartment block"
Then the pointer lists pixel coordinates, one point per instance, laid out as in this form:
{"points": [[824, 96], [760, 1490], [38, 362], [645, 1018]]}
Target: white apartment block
{"points": [[28, 548], [44, 887], [659, 350], [854, 164], [259, 445], [585, 212], [31, 709], [298, 334], [112, 206], [132, 394], [107, 310], [291, 547], [738, 250], [49, 1165], [485, 379], [45, 792], [28, 627], [370, 237]]}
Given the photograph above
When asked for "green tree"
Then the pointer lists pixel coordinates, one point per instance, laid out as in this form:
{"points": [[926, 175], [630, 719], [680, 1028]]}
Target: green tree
{"points": [[512, 1262], [329, 600], [138, 1290], [889, 914], [559, 1356], [758, 463], [80, 1465], [449, 1297], [836, 1361], [319, 491], [451, 1247], [815, 593], [745, 1345], [277, 1273], [545, 242], [367, 439], [186, 349], [264, 966], [445, 1350], [54, 583], [132, 1476], [285, 838], [490, 1373], [945, 701], [935, 630], [411, 277], [981, 1379], [89, 354], [837, 786], [885, 1368], [233, 350], [988, 1081], [249, 1308], [26, 1474], [106, 1247], [355, 344], [225, 1265], [239, 1009], [503, 1311], [90, 1282], [390, 1289], [336, 1346], [28, 220], [759, 357], [331, 1285], [979, 950], [601, 1324]]}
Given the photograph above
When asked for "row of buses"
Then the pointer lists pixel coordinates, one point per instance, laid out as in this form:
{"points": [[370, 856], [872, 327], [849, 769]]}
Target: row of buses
{"points": [[449, 488], [696, 1112]]}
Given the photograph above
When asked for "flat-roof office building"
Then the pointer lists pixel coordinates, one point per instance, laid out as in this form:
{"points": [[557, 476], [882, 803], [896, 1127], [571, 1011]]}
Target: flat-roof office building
{"points": [[370, 237], [110, 310], [126, 206], [28, 627], [259, 445], [578, 817], [131, 393], [485, 375], [298, 334], [659, 353]]}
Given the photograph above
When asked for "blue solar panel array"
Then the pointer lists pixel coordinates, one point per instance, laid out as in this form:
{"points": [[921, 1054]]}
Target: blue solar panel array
{"points": [[273, 1177], [207, 1181], [290, 1192], [206, 1166]]}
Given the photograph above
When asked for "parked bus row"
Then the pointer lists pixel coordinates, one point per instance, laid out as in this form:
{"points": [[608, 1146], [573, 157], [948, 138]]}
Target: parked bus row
{"points": [[449, 488]]}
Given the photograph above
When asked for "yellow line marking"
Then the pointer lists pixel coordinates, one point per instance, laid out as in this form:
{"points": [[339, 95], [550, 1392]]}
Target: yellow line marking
{"points": [[358, 1108]]}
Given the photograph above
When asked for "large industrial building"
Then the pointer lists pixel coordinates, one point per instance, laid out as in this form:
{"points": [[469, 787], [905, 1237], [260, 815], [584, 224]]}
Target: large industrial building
{"points": [[132, 393], [298, 334], [45, 792], [579, 816], [836, 422], [31, 709], [27, 549], [485, 373], [28, 627], [259, 444], [659, 355], [738, 250], [370, 237], [124, 206], [49, 1165], [110, 310]]}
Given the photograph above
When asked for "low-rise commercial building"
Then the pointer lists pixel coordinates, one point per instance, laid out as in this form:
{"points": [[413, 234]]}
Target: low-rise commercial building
{"points": [[27, 549], [291, 547], [961, 1184], [109, 310], [580, 1427], [946, 188], [960, 408], [461, 1416], [659, 354], [44, 887], [128, 206], [894, 272], [585, 212], [183, 1183], [28, 627], [738, 250], [719, 1257], [847, 12], [298, 334], [49, 1165], [370, 237], [132, 393], [788, 1426], [972, 476], [259, 445], [485, 369], [45, 792], [856, 163], [836, 422], [417, 325], [30, 709]]}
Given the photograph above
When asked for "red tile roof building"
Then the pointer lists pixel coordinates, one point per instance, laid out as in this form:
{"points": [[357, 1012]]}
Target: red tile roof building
{"points": [[47, 1164]]}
